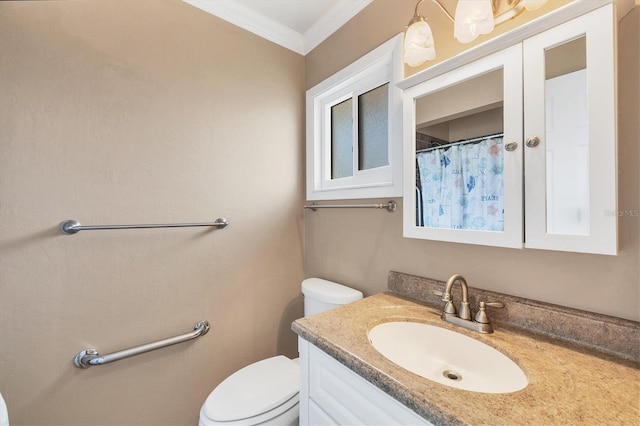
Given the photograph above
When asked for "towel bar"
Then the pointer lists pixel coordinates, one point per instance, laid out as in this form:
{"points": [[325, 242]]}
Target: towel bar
{"points": [[391, 206], [89, 357], [71, 226]]}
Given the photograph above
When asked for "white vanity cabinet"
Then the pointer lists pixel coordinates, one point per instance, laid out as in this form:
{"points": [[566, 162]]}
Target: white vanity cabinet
{"points": [[332, 394], [543, 110]]}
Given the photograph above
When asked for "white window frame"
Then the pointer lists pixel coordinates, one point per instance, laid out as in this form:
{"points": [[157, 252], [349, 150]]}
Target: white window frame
{"points": [[381, 66]]}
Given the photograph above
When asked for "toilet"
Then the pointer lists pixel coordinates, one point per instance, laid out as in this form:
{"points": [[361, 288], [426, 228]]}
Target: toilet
{"points": [[266, 392]]}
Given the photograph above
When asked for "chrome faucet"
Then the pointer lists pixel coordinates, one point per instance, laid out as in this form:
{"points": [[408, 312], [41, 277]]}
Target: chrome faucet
{"points": [[463, 318]]}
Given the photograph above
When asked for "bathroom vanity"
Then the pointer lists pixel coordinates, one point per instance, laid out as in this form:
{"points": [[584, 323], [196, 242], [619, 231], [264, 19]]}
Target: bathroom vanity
{"points": [[582, 368], [334, 394]]}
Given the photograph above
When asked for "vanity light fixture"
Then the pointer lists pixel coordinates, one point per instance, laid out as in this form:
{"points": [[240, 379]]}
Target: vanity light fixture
{"points": [[475, 17], [418, 41], [472, 18]]}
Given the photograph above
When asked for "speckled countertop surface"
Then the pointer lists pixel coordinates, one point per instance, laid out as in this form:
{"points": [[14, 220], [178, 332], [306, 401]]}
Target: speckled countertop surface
{"points": [[568, 384]]}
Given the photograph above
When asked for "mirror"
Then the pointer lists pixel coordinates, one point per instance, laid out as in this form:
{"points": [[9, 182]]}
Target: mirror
{"points": [[567, 138], [463, 133], [460, 156]]}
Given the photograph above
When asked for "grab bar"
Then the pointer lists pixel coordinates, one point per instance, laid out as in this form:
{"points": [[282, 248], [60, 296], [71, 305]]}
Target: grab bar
{"points": [[391, 206], [70, 227], [89, 357]]}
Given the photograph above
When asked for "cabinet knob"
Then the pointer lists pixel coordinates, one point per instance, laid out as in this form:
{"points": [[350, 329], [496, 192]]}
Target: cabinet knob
{"points": [[511, 146], [533, 141]]}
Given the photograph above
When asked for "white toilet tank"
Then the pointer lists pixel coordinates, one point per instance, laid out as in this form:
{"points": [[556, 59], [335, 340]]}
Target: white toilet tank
{"points": [[321, 295]]}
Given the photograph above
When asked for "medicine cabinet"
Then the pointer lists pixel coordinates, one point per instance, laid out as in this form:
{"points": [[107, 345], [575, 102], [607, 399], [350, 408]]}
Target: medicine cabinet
{"points": [[518, 148]]}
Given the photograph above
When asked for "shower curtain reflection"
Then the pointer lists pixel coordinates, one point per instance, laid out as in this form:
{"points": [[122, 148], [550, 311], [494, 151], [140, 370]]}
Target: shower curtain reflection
{"points": [[461, 186]]}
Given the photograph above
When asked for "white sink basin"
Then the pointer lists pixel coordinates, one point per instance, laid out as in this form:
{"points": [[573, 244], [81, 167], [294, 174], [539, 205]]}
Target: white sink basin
{"points": [[447, 357]]}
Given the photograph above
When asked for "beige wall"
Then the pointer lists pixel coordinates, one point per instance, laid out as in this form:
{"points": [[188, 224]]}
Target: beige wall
{"points": [[359, 247], [120, 112]]}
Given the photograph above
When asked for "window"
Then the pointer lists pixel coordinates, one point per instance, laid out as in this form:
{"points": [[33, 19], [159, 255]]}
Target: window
{"points": [[354, 129]]}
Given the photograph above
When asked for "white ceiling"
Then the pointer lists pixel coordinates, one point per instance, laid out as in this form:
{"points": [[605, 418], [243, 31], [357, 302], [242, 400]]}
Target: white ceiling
{"points": [[298, 25]]}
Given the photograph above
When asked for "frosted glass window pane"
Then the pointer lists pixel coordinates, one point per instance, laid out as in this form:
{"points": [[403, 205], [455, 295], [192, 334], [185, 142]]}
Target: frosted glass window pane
{"points": [[342, 139], [373, 144]]}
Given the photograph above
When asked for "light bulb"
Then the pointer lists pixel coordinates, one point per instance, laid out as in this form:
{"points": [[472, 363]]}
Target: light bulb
{"points": [[473, 17], [418, 44]]}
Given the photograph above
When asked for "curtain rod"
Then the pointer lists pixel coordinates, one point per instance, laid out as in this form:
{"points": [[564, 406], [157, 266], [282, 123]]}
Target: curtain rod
{"points": [[461, 142]]}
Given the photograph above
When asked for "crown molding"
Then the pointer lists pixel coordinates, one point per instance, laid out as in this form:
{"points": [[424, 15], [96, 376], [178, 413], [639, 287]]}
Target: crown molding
{"points": [[248, 19], [331, 21]]}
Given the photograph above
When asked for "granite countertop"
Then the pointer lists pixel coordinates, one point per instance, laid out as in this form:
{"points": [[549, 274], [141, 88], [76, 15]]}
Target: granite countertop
{"points": [[568, 383]]}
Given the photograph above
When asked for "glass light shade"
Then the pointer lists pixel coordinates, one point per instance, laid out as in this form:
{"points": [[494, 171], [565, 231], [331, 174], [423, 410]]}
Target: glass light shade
{"points": [[473, 17], [418, 44], [533, 4]]}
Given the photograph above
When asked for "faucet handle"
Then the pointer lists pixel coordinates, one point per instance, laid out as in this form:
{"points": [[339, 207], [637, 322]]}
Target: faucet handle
{"points": [[481, 316], [449, 307]]}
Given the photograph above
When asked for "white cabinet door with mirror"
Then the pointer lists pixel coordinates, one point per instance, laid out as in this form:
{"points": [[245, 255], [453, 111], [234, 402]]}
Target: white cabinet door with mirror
{"points": [[518, 149], [569, 92], [467, 185]]}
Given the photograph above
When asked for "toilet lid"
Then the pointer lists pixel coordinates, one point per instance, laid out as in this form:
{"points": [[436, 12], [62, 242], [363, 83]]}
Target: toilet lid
{"points": [[254, 390]]}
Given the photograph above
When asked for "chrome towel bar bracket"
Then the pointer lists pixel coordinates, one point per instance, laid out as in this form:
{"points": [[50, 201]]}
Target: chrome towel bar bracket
{"points": [[391, 206], [70, 227], [89, 357]]}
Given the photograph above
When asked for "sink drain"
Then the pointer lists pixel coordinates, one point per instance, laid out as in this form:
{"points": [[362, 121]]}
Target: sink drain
{"points": [[452, 375]]}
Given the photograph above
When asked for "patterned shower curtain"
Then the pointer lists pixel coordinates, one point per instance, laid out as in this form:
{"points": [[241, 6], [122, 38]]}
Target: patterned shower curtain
{"points": [[462, 186]]}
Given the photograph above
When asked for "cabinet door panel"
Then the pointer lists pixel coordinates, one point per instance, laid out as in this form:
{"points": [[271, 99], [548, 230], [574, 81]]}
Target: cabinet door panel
{"points": [[569, 92], [318, 417], [340, 396], [470, 191]]}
